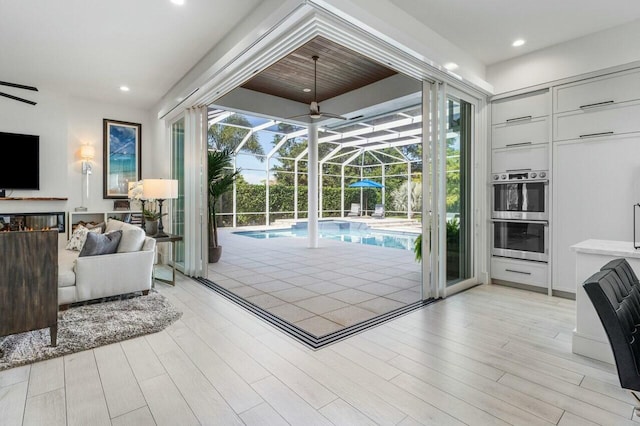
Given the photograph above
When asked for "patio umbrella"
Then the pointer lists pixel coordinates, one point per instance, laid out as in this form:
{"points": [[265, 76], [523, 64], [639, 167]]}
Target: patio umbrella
{"points": [[366, 183]]}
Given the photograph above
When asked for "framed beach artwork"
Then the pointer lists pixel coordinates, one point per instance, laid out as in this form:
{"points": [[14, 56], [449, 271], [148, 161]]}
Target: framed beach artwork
{"points": [[121, 157]]}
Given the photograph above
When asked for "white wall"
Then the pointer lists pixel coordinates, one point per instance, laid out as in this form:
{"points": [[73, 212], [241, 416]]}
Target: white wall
{"points": [[608, 48], [63, 124]]}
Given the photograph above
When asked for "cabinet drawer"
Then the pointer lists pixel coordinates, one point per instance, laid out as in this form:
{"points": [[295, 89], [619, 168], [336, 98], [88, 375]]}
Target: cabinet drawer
{"points": [[598, 92], [529, 132], [582, 124], [521, 107], [519, 271], [532, 157]]}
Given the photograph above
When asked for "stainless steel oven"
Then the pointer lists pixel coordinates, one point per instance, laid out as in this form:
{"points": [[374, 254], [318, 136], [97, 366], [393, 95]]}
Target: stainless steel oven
{"points": [[521, 194], [521, 239]]}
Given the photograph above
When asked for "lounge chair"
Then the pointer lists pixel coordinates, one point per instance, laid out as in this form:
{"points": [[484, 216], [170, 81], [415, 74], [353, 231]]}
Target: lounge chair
{"points": [[355, 210], [378, 213]]}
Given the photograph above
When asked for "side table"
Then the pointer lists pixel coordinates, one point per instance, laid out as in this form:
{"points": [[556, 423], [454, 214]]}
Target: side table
{"points": [[169, 239]]}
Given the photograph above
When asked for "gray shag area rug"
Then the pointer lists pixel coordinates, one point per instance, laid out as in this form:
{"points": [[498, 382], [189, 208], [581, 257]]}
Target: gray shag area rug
{"points": [[89, 326]]}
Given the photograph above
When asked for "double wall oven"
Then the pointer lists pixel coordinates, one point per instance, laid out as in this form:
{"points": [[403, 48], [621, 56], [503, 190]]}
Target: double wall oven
{"points": [[520, 214]]}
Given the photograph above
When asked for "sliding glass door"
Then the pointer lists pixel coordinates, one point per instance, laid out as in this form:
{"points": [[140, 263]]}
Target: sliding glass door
{"points": [[177, 172], [458, 209]]}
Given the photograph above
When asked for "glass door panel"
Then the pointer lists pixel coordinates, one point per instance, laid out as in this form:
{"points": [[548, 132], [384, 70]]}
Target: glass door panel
{"points": [[177, 172], [458, 190]]}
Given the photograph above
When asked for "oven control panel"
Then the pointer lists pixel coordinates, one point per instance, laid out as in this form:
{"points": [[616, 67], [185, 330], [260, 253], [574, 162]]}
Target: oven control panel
{"points": [[516, 175]]}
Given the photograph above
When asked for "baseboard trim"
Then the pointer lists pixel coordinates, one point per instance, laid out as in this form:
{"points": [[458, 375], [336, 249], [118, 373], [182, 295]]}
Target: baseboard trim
{"points": [[534, 288]]}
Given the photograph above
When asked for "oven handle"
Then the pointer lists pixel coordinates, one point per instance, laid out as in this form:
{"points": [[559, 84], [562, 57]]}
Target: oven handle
{"points": [[540, 222], [498, 182]]}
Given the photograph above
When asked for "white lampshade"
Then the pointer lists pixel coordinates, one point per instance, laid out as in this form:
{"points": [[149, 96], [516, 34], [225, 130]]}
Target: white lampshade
{"points": [[87, 152], [159, 189]]}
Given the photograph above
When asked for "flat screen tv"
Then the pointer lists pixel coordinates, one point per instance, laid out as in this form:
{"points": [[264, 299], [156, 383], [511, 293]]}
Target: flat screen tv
{"points": [[21, 155]]}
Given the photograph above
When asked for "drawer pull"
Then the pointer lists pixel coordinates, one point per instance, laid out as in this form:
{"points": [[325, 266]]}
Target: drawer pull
{"points": [[518, 272], [526, 117], [518, 144], [597, 104], [595, 135]]}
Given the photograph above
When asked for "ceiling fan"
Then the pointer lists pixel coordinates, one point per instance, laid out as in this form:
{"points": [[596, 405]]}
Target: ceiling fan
{"points": [[17, 86], [314, 107]]}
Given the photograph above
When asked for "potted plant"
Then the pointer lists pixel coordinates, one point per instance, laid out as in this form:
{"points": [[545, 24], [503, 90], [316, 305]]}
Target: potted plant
{"points": [[151, 218], [220, 180]]}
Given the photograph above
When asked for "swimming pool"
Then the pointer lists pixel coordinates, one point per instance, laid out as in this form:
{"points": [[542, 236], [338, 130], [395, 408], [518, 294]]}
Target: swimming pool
{"points": [[349, 232]]}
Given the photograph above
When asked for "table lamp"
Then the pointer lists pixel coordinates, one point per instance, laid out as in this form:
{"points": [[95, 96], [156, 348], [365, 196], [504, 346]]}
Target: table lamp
{"points": [[160, 190]]}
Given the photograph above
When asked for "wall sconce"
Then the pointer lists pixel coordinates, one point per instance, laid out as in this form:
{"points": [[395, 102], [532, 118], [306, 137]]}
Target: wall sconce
{"points": [[160, 190], [87, 153]]}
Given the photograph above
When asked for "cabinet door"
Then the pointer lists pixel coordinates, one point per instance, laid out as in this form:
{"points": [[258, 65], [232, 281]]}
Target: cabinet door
{"points": [[595, 185], [529, 157], [520, 133], [521, 107], [606, 121], [595, 92]]}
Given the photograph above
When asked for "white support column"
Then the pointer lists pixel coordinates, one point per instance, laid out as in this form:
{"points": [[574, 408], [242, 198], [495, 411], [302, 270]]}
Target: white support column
{"points": [[384, 185], [266, 193], [342, 191], [295, 189], [320, 198], [235, 193], [312, 193], [409, 210], [362, 212]]}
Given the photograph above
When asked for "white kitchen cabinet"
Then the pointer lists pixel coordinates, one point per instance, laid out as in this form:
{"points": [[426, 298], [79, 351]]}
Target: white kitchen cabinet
{"points": [[605, 121], [519, 271], [527, 157], [597, 92], [520, 108], [521, 133], [596, 182]]}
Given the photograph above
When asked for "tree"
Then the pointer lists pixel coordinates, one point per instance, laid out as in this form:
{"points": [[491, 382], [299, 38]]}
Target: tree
{"points": [[221, 137], [220, 180]]}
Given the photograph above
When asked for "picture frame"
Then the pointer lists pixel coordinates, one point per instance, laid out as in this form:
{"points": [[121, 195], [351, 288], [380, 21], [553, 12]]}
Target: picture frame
{"points": [[122, 158]]}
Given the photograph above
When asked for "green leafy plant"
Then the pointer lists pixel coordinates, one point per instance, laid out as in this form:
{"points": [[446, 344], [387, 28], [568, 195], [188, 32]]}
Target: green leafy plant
{"points": [[152, 214], [220, 180], [417, 248]]}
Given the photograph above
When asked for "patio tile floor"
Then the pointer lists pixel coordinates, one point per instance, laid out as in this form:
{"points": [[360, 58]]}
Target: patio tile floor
{"points": [[319, 290]]}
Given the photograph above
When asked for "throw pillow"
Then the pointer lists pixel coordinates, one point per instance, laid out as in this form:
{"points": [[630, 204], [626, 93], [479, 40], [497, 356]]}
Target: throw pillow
{"points": [[132, 235], [79, 236], [98, 244], [132, 239], [100, 225]]}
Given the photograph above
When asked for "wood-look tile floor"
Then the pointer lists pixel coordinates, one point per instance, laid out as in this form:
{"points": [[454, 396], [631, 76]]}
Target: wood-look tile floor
{"points": [[491, 355]]}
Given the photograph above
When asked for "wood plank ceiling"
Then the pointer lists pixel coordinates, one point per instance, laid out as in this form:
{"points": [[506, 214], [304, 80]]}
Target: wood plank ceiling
{"points": [[340, 70]]}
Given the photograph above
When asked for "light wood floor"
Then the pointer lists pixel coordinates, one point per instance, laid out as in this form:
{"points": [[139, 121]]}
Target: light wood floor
{"points": [[492, 355]]}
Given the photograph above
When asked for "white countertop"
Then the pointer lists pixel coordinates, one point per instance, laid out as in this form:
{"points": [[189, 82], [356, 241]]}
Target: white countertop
{"points": [[607, 247]]}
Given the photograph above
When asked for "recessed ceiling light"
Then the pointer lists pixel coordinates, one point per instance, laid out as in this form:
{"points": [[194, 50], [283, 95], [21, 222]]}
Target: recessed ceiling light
{"points": [[124, 88], [451, 66], [306, 89], [519, 42], [178, 2]]}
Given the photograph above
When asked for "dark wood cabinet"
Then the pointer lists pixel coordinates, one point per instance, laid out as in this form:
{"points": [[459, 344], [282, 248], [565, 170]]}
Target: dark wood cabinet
{"points": [[29, 282]]}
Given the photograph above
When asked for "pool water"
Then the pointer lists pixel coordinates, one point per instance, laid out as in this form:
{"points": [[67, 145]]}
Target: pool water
{"points": [[350, 232]]}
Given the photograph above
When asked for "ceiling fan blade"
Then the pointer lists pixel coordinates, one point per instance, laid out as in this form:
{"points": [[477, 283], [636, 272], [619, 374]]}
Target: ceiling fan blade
{"points": [[330, 115], [18, 86], [15, 98]]}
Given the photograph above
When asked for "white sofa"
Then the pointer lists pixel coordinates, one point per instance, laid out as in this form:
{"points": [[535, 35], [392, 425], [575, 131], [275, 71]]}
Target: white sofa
{"points": [[93, 277]]}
